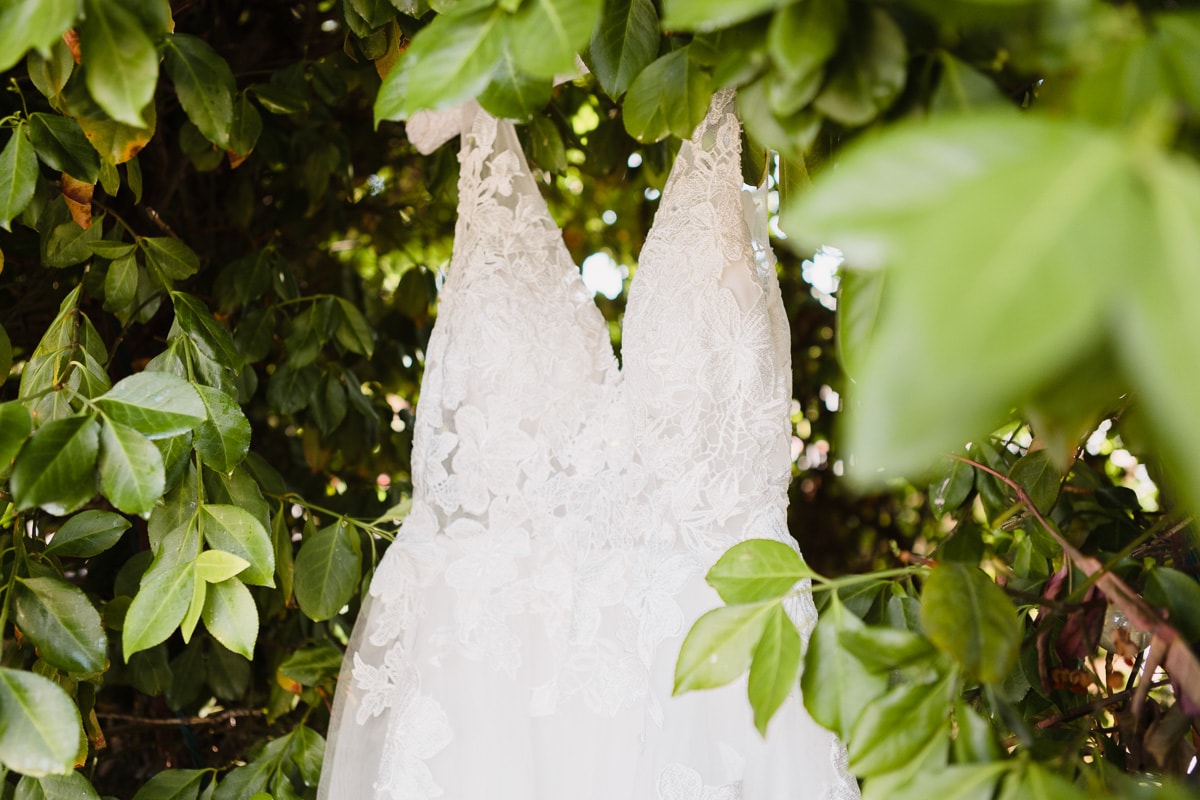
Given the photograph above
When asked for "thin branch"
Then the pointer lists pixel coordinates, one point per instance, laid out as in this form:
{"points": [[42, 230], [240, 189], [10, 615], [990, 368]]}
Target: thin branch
{"points": [[212, 719]]}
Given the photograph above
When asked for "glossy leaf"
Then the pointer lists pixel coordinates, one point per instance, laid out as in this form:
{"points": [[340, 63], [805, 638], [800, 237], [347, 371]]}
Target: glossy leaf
{"points": [[223, 439], [131, 469], [353, 332], [756, 570], [120, 284], [328, 568], [69, 786], [60, 143], [170, 257], [669, 97], [55, 468], [896, 727], [237, 531], [971, 619], [155, 404], [204, 84], [231, 616], [62, 622], [158, 607], [774, 668], [835, 685], [122, 61], [209, 336], [15, 427], [87, 534], [624, 43], [1039, 477], [173, 784], [721, 644], [18, 175], [214, 566], [40, 734], [545, 35]]}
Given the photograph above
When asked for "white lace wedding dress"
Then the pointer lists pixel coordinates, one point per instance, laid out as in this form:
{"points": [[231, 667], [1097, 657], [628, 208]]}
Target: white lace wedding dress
{"points": [[520, 636]]}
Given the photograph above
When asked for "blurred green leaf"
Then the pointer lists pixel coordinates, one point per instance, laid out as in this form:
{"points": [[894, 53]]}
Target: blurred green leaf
{"points": [[668, 97], [513, 94], [868, 74], [70, 786], [707, 15], [121, 61], [15, 427], [33, 24], [545, 35], [40, 734], [971, 619], [624, 43], [1179, 593], [805, 34]]}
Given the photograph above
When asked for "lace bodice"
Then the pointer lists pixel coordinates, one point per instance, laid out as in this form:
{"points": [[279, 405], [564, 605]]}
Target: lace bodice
{"points": [[527, 617]]}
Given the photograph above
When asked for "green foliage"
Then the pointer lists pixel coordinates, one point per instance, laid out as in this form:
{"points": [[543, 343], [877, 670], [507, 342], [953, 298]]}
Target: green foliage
{"points": [[220, 264]]}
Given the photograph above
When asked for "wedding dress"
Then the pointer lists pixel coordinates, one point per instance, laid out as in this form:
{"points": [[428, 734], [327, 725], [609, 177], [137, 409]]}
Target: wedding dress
{"points": [[520, 635]]}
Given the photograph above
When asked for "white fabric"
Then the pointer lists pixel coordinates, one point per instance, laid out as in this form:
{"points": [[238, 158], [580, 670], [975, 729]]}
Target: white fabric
{"points": [[520, 636]]}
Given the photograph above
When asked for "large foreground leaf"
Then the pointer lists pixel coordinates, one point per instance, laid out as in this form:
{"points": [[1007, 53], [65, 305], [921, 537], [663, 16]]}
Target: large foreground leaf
{"points": [[39, 729], [56, 467], [62, 622]]}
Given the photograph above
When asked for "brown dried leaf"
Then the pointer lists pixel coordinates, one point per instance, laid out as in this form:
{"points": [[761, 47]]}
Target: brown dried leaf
{"points": [[71, 37], [78, 195]]}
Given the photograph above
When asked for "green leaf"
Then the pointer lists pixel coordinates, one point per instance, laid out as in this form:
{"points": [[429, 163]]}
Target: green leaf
{"points": [[204, 84], [669, 97], [624, 43], [54, 470], [60, 143], [18, 175], [868, 74], [954, 782], [835, 685], [71, 786], [120, 284], [328, 567], [121, 61], [952, 487], [67, 244], [170, 257], [32, 24], [1039, 477], [214, 566], [328, 406], [131, 469], [885, 649], [155, 404], [246, 126], [289, 389], [512, 94], [963, 88], [50, 72], [1180, 595], [546, 145], [893, 729], [158, 607], [774, 668], [87, 534], [62, 623], [449, 61], [116, 142], [545, 35], [231, 616], [191, 617], [970, 619], [1036, 782], [6, 362], [173, 784], [721, 644], [804, 35], [40, 731], [223, 439], [236, 530], [1003, 238], [210, 337], [353, 332], [310, 665], [708, 15], [285, 560], [15, 427], [756, 570], [974, 739]]}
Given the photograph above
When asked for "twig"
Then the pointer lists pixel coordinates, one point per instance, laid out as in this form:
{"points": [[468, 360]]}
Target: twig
{"points": [[212, 719]]}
